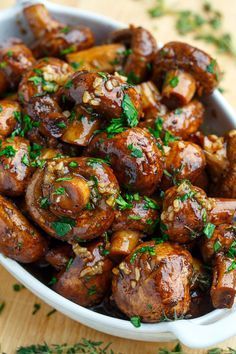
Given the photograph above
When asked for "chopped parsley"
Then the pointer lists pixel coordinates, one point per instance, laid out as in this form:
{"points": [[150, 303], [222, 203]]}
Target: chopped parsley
{"points": [[69, 84], [232, 250], [136, 321], [52, 281], [144, 249], [2, 306], [116, 126], [92, 290], [25, 160], [208, 230], [17, 116], [61, 125], [63, 226], [102, 74], [37, 80], [65, 29], [217, 246], [69, 263], [150, 204], [36, 308], [50, 313], [174, 81], [211, 67], [232, 266], [122, 203], [129, 111], [18, 287], [68, 50], [93, 161], [44, 203], [76, 65], [135, 152], [134, 217], [73, 164], [1, 109], [59, 191], [8, 151], [64, 179]]}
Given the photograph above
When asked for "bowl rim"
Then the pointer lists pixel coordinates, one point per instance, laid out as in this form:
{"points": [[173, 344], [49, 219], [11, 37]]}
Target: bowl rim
{"points": [[196, 333]]}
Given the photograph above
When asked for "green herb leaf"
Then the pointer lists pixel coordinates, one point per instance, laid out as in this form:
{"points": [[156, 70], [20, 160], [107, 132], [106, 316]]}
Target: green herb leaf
{"points": [[73, 164], [76, 65], [92, 290], [8, 151], [2, 306], [122, 204], [37, 307], [174, 81], [59, 191], [135, 151], [18, 287], [64, 179], [208, 230], [44, 203], [136, 321], [129, 111], [63, 226], [144, 249]]}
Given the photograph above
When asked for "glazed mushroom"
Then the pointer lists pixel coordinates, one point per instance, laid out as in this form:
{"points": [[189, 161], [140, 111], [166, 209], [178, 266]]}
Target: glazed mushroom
{"points": [[184, 68], [183, 160], [134, 157], [188, 213], [87, 278], [15, 59], [80, 127], [227, 185], [73, 198], [153, 282], [10, 114], [19, 239], [59, 256], [54, 38], [44, 78], [141, 49], [223, 288], [108, 95], [15, 169], [103, 58], [122, 243], [182, 122], [138, 213], [200, 290], [216, 156], [223, 240]]}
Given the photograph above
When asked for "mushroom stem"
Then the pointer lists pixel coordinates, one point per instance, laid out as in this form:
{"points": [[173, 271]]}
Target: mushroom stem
{"points": [[178, 88], [39, 20], [123, 242]]}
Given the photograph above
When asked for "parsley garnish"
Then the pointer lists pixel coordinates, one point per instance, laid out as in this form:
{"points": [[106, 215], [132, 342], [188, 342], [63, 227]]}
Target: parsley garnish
{"points": [[37, 80], [8, 151], [92, 290], [59, 191], [76, 65], [135, 152], [25, 160], [102, 74], [2, 306], [18, 287], [93, 161], [122, 204], [73, 164], [61, 125], [37, 307], [129, 111], [173, 82], [64, 179], [63, 226], [232, 266], [69, 84], [44, 203], [208, 230], [68, 50], [217, 246], [136, 321], [150, 204], [144, 249]]}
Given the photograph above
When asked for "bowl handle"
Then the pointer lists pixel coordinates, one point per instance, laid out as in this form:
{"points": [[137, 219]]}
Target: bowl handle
{"points": [[204, 335]]}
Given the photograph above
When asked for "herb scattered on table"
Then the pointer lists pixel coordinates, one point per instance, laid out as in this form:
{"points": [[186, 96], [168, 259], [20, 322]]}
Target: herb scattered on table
{"points": [[205, 25], [36, 308]]}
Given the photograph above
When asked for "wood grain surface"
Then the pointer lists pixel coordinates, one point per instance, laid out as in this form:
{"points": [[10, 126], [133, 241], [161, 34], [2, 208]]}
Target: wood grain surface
{"points": [[18, 327]]}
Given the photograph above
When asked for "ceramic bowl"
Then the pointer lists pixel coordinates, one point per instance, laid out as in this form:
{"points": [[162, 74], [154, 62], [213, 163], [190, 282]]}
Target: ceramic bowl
{"points": [[196, 333]]}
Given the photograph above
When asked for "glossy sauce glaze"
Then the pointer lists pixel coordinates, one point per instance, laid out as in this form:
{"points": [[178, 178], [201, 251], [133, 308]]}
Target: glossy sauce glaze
{"points": [[111, 194]]}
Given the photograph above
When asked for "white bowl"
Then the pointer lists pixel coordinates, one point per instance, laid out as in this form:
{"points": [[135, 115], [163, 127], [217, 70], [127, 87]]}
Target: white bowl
{"points": [[196, 333]]}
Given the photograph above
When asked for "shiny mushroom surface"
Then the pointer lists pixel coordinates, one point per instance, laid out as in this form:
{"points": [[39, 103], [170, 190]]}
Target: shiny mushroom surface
{"points": [[109, 184]]}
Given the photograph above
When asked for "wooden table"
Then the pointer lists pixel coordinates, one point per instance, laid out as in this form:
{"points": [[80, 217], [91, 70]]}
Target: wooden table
{"points": [[17, 324]]}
